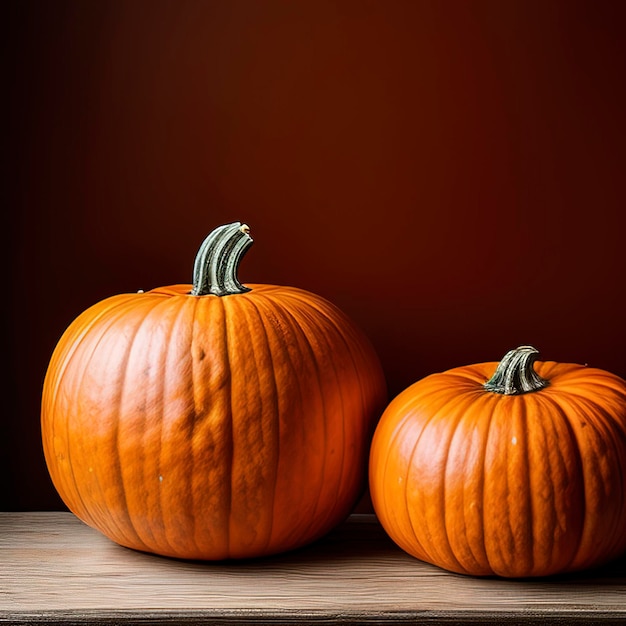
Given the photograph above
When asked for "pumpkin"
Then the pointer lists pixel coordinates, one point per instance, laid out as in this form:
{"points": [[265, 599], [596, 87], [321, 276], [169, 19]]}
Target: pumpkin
{"points": [[516, 469], [212, 420]]}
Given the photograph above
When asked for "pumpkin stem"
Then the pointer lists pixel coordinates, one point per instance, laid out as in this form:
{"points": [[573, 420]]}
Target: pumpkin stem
{"points": [[515, 374], [217, 261]]}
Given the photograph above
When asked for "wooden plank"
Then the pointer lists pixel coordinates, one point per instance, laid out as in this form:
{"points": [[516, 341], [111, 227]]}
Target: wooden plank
{"points": [[54, 569]]}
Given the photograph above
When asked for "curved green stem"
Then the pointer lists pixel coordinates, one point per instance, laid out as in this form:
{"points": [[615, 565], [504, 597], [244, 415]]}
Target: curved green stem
{"points": [[217, 261], [515, 373]]}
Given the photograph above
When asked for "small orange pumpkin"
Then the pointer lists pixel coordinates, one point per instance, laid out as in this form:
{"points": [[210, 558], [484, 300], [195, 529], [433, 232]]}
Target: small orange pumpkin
{"points": [[214, 420], [504, 469]]}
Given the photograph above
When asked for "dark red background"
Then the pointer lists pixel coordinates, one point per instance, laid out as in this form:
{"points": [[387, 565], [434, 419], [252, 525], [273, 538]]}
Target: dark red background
{"points": [[450, 173]]}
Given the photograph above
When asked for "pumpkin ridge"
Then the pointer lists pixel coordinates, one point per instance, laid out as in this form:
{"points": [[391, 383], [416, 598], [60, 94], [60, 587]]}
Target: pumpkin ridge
{"points": [[256, 302], [381, 473], [104, 322], [158, 414], [603, 423], [276, 442], [405, 483], [314, 335], [125, 527], [228, 377], [465, 401], [497, 549], [141, 542], [405, 480], [456, 413], [293, 318], [522, 541], [368, 383], [122, 392], [195, 414], [485, 399], [212, 446], [64, 354], [576, 451], [358, 348], [200, 440], [257, 435], [342, 341], [426, 526], [323, 332], [524, 418], [405, 405], [488, 438]]}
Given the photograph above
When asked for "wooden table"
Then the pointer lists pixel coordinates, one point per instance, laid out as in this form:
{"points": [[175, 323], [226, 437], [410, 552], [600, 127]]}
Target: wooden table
{"points": [[54, 569]]}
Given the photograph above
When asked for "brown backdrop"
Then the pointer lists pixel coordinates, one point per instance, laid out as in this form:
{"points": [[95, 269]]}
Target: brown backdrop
{"points": [[450, 173]]}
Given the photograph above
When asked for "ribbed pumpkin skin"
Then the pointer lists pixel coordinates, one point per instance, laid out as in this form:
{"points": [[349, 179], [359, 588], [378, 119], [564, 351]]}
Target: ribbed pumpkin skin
{"points": [[211, 427], [514, 486]]}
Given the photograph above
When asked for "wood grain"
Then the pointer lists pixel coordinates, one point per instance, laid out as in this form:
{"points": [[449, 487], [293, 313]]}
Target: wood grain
{"points": [[55, 569]]}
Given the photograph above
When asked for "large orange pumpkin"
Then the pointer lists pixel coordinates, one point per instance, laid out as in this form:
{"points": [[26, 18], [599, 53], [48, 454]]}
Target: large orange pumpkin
{"points": [[214, 420], [513, 469]]}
